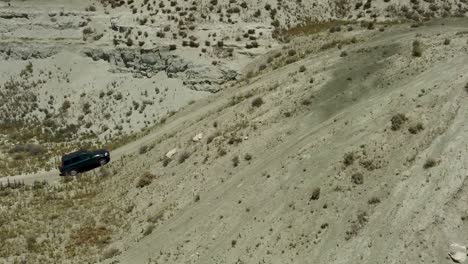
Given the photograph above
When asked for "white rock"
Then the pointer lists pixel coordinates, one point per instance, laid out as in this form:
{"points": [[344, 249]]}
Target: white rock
{"points": [[171, 153], [198, 137], [457, 253]]}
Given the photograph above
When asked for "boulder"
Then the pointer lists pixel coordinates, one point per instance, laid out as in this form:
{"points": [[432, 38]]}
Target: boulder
{"points": [[171, 153], [198, 137], [457, 253]]}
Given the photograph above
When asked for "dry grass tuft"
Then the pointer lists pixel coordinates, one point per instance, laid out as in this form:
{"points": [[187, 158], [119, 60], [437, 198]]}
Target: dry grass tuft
{"points": [[145, 179]]}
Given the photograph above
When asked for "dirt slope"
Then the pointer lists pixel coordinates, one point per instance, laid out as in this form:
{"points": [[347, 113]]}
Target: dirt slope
{"points": [[344, 147], [389, 191], [82, 74]]}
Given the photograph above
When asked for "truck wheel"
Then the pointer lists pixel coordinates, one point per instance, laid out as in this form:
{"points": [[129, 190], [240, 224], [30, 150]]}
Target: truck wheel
{"points": [[102, 162], [73, 173]]}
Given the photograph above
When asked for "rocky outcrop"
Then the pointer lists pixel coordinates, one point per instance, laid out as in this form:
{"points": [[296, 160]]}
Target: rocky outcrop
{"points": [[9, 52], [148, 62], [13, 15]]}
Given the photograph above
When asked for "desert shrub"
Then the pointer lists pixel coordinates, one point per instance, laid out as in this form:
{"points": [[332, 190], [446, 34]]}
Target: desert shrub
{"points": [[118, 96], [235, 161], [148, 230], [143, 149], [343, 54], [31, 243], [415, 129], [357, 178], [233, 243], [234, 140], [32, 149], [466, 87], [315, 194], [221, 152], [292, 52], [306, 102], [348, 159], [257, 102], [90, 235], [143, 21], [65, 105], [417, 48], [247, 157], [447, 41], [183, 156], [196, 198], [88, 30], [145, 179], [397, 121], [429, 163], [166, 161], [37, 185], [357, 225], [373, 200], [302, 68]]}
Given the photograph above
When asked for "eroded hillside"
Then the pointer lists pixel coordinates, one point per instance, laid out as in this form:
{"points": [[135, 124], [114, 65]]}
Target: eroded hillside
{"points": [[79, 74], [345, 146]]}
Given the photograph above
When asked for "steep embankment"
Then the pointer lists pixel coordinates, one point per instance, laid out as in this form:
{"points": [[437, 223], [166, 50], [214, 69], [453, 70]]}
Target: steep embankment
{"points": [[364, 163], [305, 160]]}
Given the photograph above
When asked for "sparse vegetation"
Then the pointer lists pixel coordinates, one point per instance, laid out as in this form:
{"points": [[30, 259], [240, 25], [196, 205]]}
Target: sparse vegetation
{"points": [[315, 194], [348, 159], [235, 161], [233, 243], [373, 200], [145, 179], [184, 156], [357, 178], [429, 163], [91, 217], [143, 149], [148, 230], [397, 121], [31, 149], [417, 48], [257, 102], [357, 225], [415, 129]]}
